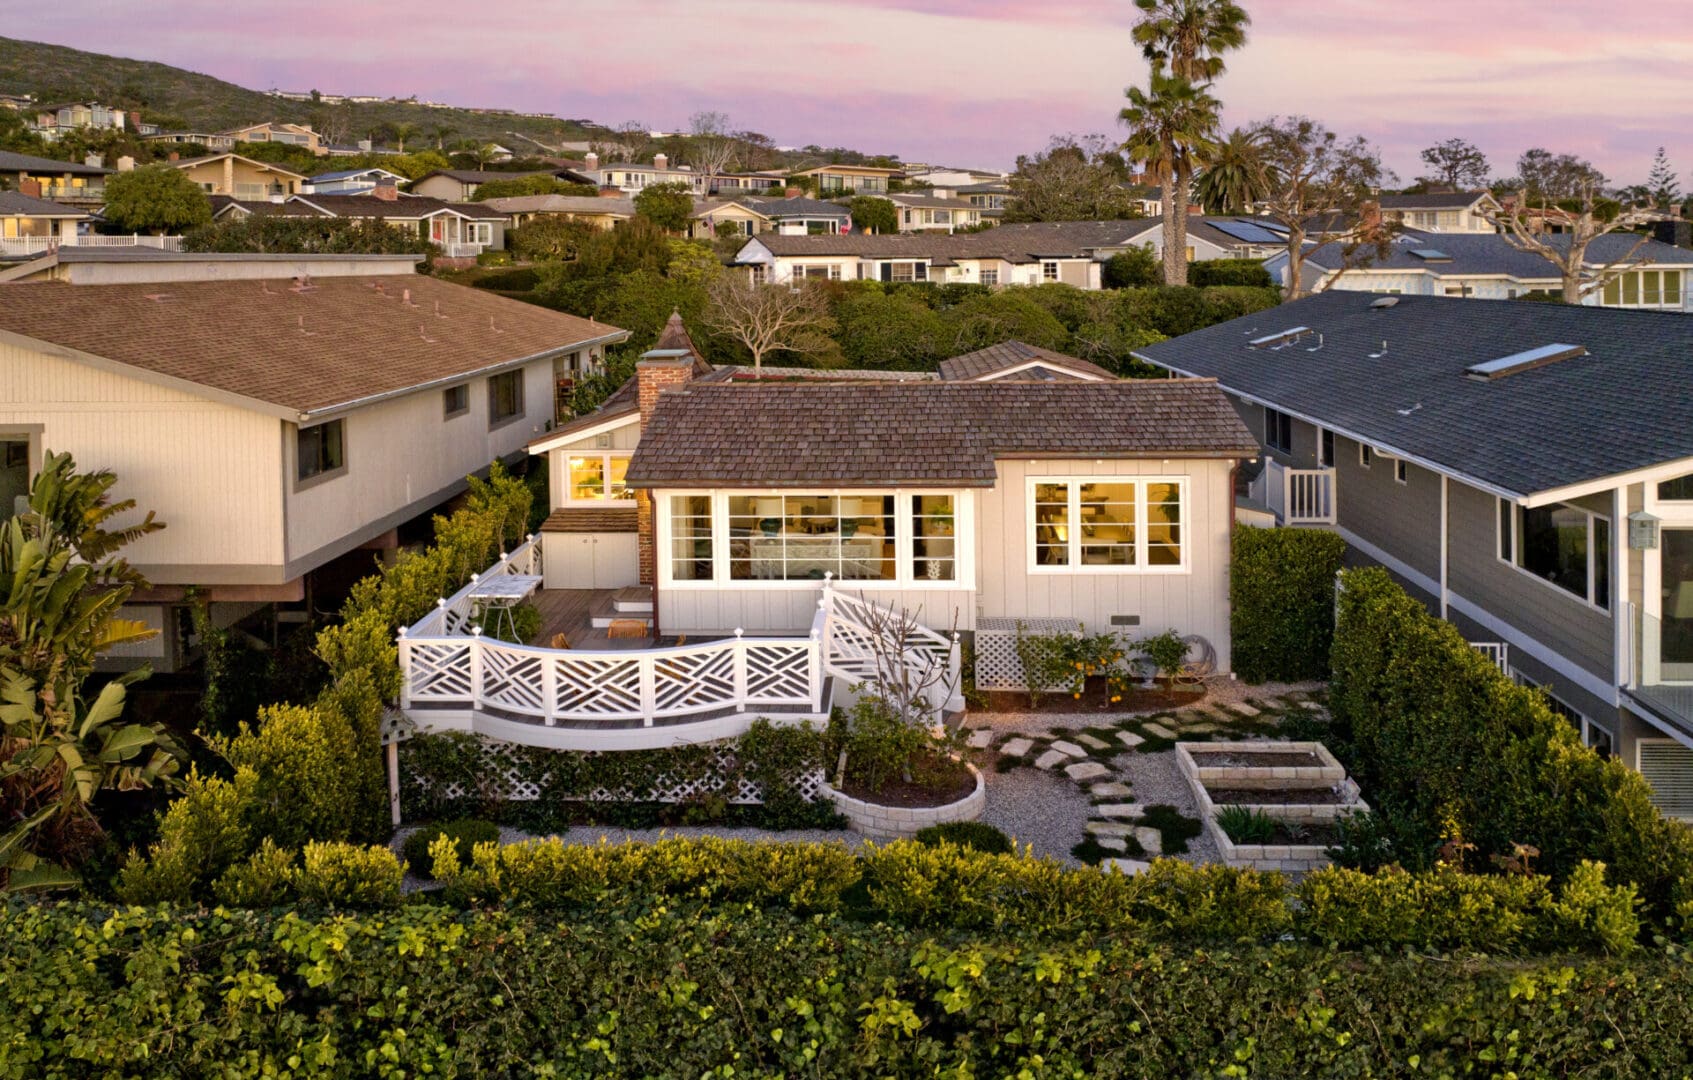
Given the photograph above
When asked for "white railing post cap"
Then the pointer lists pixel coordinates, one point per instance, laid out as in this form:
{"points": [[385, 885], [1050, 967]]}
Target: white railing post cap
{"points": [[441, 601], [739, 631], [476, 631]]}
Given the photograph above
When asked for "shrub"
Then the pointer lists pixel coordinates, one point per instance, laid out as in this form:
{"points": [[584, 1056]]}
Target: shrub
{"points": [[307, 772], [1245, 825], [1447, 745], [266, 879], [1167, 652], [1281, 602], [1249, 272], [1138, 267], [1179, 899], [465, 834], [974, 835], [348, 875], [878, 744], [201, 834], [949, 886]]}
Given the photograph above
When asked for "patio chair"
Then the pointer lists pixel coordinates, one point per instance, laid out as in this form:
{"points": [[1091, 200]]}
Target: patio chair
{"points": [[560, 642], [627, 628]]}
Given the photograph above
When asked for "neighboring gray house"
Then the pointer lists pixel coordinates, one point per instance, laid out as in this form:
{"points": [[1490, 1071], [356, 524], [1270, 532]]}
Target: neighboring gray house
{"points": [[1525, 468], [1487, 267], [1442, 212]]}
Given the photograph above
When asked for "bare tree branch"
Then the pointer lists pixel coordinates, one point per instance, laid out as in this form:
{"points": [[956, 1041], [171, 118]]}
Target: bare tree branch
{"points": [[770, 318], [1522, 227]]}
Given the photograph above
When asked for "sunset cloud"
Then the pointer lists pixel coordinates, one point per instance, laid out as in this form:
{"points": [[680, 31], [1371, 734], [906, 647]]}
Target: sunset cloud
{"points": [[963, 81]]}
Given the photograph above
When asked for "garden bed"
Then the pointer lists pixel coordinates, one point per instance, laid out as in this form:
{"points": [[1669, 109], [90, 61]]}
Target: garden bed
{"points": [[1267, 765], [936, 781], [1275, 796], [1096, 697], [1228, 757], [882, 820], [1303, 797]]}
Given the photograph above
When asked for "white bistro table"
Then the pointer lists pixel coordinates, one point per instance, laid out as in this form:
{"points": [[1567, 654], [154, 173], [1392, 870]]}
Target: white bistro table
{"points": [[499, 594]]}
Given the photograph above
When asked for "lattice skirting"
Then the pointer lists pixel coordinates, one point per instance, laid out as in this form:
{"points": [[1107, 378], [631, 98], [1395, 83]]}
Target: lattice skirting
{"points": [[508, 780], [997, 664]]}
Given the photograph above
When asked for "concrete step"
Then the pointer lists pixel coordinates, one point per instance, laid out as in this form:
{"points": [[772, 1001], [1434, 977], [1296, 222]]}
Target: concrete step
{"points": [[633, 600]]}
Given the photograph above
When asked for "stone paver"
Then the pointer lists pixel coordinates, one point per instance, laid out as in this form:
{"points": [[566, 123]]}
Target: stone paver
{"points": [[1244, 709], [1130, 739], [1050, 758], [1111, 789], [1017, 747], [1112, 843], [1069, 748], [1120, 810], [981, 739], [1310, 706], [1150, 839], [1109, 828], [1092, 742], [1126, 866], [1083, 771], [1160, 731]]}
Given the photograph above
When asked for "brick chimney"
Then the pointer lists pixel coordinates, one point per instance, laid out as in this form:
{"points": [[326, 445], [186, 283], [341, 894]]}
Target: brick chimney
{"points": [[609, 191], [385, 190], [126, 164], [32, 188], [653, 376], [661, 161], [793, 192], [590, 161]]}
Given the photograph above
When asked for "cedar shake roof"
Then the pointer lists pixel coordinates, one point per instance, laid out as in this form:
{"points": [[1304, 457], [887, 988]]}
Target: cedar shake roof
{"points": [[592, 519], [921, 434], [336, 342], [986, 362]]}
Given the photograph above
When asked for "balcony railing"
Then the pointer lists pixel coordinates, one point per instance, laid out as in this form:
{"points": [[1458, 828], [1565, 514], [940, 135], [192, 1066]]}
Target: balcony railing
{"points": [[26, 246], [458, 249], [1661, 664], [1296, 496]]}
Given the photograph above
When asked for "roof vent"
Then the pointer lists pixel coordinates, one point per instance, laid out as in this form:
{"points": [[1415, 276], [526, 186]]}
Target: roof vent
{"points": [[1283, 337], [1523, 361], [1430, 255], [1385, 302]]}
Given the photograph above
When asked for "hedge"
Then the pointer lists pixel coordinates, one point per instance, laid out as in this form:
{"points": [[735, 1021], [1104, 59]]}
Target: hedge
{"points": [[1281, 602], [684, 990], [1244, 272], [1449, 749]]}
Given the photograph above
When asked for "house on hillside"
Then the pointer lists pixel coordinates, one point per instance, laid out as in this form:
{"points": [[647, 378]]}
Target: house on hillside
{"points": [[461, 230], [458, 185], [1526, 469], [81, 185], [1444, 212], [301, 410], [211, 140], [828, 180], [51, 121], [300, 135], [30, 226], [1488, 267], [933, 213], [349, 181], [723, 542], [240, 177], [598, 211], [800, 216]]}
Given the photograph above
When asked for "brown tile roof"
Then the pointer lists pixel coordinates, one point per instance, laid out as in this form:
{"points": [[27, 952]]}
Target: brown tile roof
{"points": [[593, 519], [340, 340], [921, 434], [1017, 243], [407, 207], [1009, 354]]}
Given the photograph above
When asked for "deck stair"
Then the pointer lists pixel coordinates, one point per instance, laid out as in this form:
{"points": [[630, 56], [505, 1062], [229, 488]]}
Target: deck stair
{"points": [[630, 602]]}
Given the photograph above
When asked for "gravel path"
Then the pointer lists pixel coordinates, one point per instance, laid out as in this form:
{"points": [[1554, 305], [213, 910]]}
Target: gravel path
{"points": [[1156, 779], [1221, 691], [1036, 808]]}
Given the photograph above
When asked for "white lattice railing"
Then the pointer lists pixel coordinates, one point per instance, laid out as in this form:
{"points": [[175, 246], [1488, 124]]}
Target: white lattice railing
{"points": [[455, 615], [1296, 496], [849, 628]]}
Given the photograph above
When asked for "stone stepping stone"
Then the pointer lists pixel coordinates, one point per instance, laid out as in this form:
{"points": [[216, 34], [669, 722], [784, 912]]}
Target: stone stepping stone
{"points": [[1049, 759], [1126, 866], [1150, 839], [1130, 739], [1109, 828], [1310, 706], [980, 739], [1160, 731], [1017, 747], [1092, 742], [1111, 789], [1120, 810], [1083, 771], [1112, 843], [1244, 709], [1069, 748]]}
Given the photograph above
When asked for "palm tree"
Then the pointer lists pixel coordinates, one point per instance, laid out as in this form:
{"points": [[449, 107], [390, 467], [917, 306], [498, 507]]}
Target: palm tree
{"points": [[1234, 178], [1190, 36], [1170, 128], [404, 131], [441, 131]]}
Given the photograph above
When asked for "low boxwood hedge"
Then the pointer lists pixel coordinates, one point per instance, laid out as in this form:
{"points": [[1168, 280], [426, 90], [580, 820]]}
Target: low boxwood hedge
{"points": [[691, 990]]}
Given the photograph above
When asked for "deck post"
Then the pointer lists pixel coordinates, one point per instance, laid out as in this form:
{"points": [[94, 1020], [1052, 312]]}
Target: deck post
{"points": [[476, 668], [394, 783], [649, 690], [549, 688], [814, 669], [404, 648], [740, 669]]}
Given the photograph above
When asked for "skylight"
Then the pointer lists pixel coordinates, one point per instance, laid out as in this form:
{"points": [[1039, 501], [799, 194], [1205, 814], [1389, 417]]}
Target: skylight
{"points": [[1279, 338], [1431, 255], [1524, 361]]}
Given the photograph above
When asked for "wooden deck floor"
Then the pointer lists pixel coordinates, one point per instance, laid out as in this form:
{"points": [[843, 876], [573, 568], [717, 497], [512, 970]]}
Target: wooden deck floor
{"points": [[566, 611]]}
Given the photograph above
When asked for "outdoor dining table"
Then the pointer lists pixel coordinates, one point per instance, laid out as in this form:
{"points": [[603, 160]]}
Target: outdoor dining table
{"points": [[499, 594]]}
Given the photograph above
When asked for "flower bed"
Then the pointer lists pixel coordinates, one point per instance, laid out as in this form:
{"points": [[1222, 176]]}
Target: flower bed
{"points": [[1312, 792], [882, 822], [1250, 764]]}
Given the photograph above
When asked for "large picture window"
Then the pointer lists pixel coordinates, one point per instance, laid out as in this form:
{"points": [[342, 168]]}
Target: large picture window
{"points": [[321, 450], [1115, 525], [1562, 545], [690, 538], [598, 477], [1278, 430]]}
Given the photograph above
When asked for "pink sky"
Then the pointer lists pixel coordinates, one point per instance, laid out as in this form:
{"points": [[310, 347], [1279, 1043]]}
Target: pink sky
{"points": [[966, 82]]}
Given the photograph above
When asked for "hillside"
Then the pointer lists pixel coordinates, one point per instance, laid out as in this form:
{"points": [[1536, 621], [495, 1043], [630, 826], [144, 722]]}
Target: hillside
{"points": [[175, 97]]}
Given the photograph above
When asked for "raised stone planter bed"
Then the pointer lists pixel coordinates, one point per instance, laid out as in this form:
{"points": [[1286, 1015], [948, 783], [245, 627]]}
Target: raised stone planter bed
{"points": [[1245, 767], [1288, 858], [1250, 764], [902, 822]]}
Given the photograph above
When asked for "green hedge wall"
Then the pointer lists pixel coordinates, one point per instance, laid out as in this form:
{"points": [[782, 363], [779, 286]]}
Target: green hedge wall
{"points": [[1447, 747], [688, 991], [1281, 602]]}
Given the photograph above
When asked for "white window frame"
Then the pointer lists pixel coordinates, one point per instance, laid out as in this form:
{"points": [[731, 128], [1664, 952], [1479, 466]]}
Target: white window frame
{"points": [[1366, 455], [963, 532], [1515, 561], [990, 276], [1401, 471], [605, 457], [1049, 271], [1141, 566]]}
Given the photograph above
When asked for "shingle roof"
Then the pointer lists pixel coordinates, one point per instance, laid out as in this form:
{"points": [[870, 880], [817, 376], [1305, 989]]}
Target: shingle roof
{"points": [[483, 176], [1446, 200], [369, 206], [266, 166], [11, 202], [10, 162], [920, 433], [339, 341], [1011, 354], [1022, 242], [1623, 406], [794, 207], [1491, 253], [927, 202], [561, 204]]}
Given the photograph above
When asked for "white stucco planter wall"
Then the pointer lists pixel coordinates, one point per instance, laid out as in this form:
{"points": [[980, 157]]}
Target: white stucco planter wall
{"points": [[901, 822]]}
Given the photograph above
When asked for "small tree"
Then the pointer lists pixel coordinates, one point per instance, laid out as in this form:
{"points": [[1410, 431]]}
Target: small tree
{"points": [[533, 184], [770, 318], [669, 206], [1311, 174], [1457, 164], [872, 213], [1072, 180], [155, 199], [549, 236], [1587, 216], [1136, 267], [1662, 184], [712, 148], [404, 131]]}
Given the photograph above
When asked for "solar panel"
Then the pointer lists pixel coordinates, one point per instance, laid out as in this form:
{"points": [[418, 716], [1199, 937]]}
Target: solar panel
{"points": [[1247, 232], [1523, 361]]}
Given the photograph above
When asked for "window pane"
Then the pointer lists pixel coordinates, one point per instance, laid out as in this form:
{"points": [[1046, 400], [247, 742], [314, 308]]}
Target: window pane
{"points": [[505, 396], [1506, 512], [1679, 489], [933, 551], [1108, 524], [1613, 292], [1602, 562], [1631, 288], [1554, 546], [618, 489], [1052, 524], [587, 477], [1649, 286], [804, 537], [1672, 288], [690, 538], [1163, 524]]}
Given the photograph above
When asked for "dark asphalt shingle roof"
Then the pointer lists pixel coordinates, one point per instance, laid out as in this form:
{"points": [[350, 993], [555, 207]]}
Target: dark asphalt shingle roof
{"points": [[1011, 354], [12, 202], [1624, 406], [1491, 253], [10, 162], [1446, 200], [921, 433], [794, 207]]}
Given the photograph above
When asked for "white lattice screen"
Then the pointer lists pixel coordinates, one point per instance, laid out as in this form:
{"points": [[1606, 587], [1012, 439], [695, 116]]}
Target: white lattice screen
{"points": [[509, 782], [997, 665]]}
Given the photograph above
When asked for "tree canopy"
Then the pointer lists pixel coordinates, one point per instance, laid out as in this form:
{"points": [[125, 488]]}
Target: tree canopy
{"points": [[669, 206], [1071, 180], [155, 199], [1457, 164], [873, 213], [263, 234], [533, 184]]}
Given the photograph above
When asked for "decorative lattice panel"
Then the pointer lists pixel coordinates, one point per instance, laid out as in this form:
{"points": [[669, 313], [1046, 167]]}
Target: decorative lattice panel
{"points": [[507, 779], [997, 664]]}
